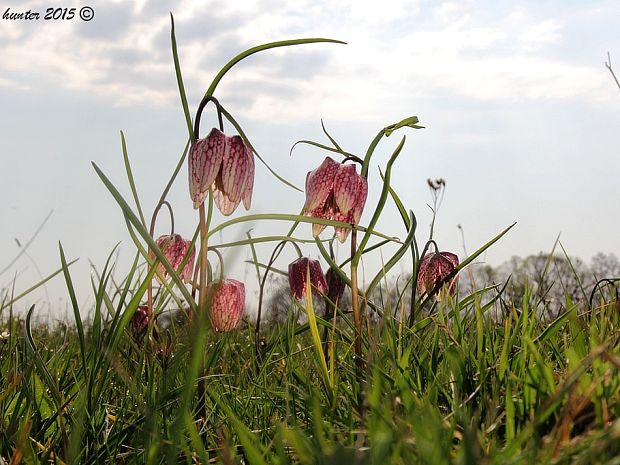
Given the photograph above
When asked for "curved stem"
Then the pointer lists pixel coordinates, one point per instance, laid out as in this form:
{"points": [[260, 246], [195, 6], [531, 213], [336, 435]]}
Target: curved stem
{"points": [[414, 284], [152, 233], [275, 254], [201, 107], [221, 259]]}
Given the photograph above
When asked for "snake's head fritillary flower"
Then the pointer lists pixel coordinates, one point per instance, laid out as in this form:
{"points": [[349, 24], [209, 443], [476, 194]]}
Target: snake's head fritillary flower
{"points": [[320, 193], [226, 166], [235, 180], [205, 162], [434, 268], [298, 273], [174, 248], [335, 285], [335, 191], [140, 319], [350, 192], [228, 301]]}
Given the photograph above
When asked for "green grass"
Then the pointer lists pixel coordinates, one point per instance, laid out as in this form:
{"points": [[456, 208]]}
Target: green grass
{"points": [[485, 378], [459, 387]]}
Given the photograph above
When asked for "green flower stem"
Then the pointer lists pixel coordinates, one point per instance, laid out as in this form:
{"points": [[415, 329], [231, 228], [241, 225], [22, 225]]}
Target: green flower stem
{"points": [[359, 365], [204, 238], [275, 254], [152, 234]]}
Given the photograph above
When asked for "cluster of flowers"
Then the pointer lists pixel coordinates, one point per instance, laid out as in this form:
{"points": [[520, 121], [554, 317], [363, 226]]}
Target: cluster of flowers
{"points": [[335, 191]]}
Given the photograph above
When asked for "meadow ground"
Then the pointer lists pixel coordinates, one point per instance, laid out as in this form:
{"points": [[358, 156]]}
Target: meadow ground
{"points": [[456, 387]]}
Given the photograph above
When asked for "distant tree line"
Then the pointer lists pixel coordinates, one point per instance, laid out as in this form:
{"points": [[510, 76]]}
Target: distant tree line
{"points": [[550, 282]]}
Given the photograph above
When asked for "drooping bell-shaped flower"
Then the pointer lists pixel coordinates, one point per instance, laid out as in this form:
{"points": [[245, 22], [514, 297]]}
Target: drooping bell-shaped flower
{"points": [[350, 192], [205, 162], [226, 166], [434, 268], [140, 319], [335, 191], [228, 301], [335, 285], [174, 248], [298, 274]]}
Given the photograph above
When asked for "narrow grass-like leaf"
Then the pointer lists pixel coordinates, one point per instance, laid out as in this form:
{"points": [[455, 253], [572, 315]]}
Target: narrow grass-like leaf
{"points": [[237, 126], [130, 179], [179, 76], [145, 236], [316, 337], [381, 202], [260, 48], [76, 308]]}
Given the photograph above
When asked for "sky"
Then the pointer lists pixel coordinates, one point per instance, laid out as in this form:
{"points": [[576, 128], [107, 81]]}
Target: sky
{"points": [[522, 120]]}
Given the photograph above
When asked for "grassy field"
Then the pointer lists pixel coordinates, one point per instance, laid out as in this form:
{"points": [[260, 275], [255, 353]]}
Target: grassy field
{"points": [[480, 377], [457, 387]]}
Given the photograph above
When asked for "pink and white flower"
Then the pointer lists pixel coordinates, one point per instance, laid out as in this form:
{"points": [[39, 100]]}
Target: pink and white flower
{"points": [[224, 165], [435, 267], [174, 248], [335, 191], [228, 301]]}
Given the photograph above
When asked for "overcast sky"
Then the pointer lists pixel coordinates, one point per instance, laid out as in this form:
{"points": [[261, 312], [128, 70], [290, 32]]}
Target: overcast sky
{"points": [[522, 119]]}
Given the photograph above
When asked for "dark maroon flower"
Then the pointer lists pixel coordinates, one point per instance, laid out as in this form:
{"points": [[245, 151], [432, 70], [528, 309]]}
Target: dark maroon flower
{"points": [[434, 268], [140, 319], [227, 304], [297, 276], [335, 285], [335, 191]]}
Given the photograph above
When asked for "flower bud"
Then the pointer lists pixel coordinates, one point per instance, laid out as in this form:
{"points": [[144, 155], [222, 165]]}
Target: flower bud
{"points": [[140, 319], [228, 300], [335, 285]]}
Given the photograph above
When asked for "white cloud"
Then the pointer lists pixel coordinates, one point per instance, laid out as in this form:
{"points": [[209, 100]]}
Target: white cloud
{"points": [[540, 34], [457, 48]]}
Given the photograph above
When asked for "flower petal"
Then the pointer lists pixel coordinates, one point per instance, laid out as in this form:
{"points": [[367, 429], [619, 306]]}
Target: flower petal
{"points": [[205, 160], [319, 186], [435, 267], [235, 168], [350, 192], [223, 202], [249, 180]]}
